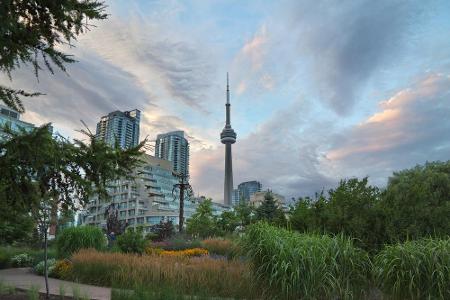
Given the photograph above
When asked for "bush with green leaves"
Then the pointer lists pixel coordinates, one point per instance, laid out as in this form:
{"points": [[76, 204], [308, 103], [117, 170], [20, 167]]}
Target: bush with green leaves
{"points": [[415, 269], [22, 260], [306, 266], [40, 267], [132, 241], [72, 239], [7, 253]]}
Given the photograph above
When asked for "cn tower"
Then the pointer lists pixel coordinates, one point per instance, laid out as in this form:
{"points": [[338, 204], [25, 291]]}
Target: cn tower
{"points": [[228, 137]]}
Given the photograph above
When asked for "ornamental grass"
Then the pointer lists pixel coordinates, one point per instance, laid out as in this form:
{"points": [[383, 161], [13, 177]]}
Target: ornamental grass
{"points": [[415, 269], [223, 247], [305, 266], [199, 276]]}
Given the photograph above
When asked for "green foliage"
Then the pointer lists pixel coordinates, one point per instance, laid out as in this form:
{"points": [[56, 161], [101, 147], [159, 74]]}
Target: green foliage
{"points": [[227, 222], [244, 212], [177, 242], [415, 269], [417, 202], [132, 241], [32, 32], [269, 211], [353, 208], [202, 222], [33, 293], [6, 289], [16, 226], [72, 239], [7, 253], [302, 266], [162, 231], [22, 260], [39, 268]]}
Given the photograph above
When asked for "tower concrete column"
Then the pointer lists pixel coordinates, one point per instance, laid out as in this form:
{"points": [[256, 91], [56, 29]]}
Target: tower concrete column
{"points": [[228, 137]]}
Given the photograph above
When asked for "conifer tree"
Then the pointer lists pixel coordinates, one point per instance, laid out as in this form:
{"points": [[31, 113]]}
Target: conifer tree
{"points": [[33, 31]]}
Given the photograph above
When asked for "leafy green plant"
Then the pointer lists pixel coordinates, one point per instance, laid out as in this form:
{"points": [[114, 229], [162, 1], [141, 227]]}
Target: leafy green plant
{"points": [[40, 267], [6, 289], [22, 260], [415, 269], [302, 266], [132, 241], [33, 293], [62, 291], [72, 239]]}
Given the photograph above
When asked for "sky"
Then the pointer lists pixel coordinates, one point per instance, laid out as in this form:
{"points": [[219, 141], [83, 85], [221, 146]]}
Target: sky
{"points": [[320, 90]]}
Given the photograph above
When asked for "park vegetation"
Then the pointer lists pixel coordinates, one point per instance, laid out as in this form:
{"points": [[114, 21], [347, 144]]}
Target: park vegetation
{"points": [[346, 243]]}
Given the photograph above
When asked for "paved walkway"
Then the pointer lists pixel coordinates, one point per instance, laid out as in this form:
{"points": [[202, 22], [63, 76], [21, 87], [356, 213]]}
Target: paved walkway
{"points": [[23, 278]]}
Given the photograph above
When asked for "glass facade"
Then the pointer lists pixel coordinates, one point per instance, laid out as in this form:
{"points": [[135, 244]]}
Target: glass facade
{"points": [[120, 127], [174, 147]]}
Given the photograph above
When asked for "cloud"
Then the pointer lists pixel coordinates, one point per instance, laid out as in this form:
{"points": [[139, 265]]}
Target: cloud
{"points": [[336, 50], [164, 63], [283, 153], [412, 127], [300, 156]]}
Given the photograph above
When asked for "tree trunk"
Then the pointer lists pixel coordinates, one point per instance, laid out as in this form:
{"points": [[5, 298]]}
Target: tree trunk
{"points": [[181, 217], [47, 295]]}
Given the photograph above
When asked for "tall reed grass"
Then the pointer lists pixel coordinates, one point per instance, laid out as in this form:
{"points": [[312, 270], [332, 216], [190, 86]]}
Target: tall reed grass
{"points": [[223, 247], [72, 239], [415, 269], [303, 266], [200, 276]]}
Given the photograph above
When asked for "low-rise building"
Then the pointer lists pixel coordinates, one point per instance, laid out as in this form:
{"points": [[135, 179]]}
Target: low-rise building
{"points": [[145, 200], [257, 198]]}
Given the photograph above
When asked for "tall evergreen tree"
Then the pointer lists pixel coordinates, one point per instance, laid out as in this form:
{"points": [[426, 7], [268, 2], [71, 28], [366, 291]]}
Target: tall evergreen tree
{"points": [[33, 31], [269, 211]]}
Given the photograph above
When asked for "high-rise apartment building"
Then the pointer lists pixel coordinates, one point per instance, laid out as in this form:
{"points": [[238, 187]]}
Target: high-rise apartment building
{"points": [[247, 189], [11, 118], [174, 147], [120, 127]]}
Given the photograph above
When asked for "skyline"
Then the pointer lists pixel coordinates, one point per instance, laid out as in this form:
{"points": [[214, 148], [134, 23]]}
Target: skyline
{"points": [[319, 93]]}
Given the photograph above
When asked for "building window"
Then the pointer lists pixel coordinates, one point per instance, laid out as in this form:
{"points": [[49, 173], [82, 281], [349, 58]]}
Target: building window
{"points": [[131, 212], [140, 220], [154, 220]]}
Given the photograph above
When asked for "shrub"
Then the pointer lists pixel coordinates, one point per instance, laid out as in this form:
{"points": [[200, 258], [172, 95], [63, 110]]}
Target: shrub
{"points": [[40, 267], [186, 276], [22, 260], [298, 266], [131, 241], [63, 269], [7, 253], [178, 242], [222, 247], [415, 269], [162, 231], [72, 239]]}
